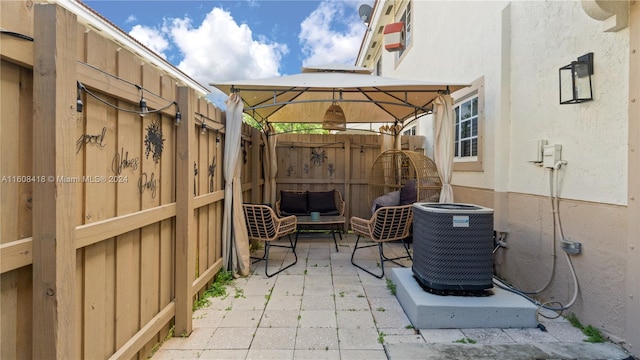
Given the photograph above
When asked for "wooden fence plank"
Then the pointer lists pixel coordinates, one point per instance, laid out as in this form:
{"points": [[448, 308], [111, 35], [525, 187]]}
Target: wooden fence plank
{"points": [[9, 147], [127, 165], [9, 300], [99, 269], [53, 205]]}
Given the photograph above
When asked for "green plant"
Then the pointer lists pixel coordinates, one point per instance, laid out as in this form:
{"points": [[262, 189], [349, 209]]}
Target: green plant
{"points": [[593, 334], [391, 286], [381, 309], [157, 346], [381, 337], [409, 327], [239, 293], [465, 341], [341, 293], [255, 246], [217, 289]]}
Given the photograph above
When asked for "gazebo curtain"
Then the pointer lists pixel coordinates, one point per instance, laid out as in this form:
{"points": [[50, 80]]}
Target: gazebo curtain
{"points": [[270, 162], [235, 241], [444, 146]]}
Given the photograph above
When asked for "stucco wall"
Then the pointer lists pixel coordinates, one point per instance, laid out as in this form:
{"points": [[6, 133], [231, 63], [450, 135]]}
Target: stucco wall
{"points": [[527, 263], [594, 134], [518, 47], [461, 41]]}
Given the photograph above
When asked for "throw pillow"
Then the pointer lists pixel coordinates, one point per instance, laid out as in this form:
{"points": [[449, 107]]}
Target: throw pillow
{"points": [[321, 201], [408, 193], [388, 199], [293, 202]]}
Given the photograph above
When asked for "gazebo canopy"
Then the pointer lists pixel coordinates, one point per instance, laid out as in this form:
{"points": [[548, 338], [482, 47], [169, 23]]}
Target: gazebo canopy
{"points": [[365, 98]]}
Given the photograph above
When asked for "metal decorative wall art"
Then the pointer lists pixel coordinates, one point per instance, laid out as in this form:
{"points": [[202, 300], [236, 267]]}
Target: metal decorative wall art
{"points": [[153, 141], [318, 157]]}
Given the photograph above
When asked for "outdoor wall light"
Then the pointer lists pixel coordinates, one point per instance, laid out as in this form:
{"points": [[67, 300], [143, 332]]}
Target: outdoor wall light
{"points": [[178, 118], [217, 140], [79, 104], [143, 103], [575, 81], [203, 127]]}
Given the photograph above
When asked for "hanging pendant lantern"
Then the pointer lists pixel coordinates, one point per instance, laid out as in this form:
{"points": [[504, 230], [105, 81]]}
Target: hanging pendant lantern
{"points": [[334, 118]]}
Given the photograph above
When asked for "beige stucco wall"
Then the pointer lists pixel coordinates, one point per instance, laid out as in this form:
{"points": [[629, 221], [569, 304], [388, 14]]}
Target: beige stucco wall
{"points": [[518, 47], [593, 135], [600, 268]]}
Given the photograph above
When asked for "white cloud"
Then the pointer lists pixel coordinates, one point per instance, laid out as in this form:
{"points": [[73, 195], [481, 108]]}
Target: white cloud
{"points": [[151, 38], [131, 18], [220, 49], [332, 34]]}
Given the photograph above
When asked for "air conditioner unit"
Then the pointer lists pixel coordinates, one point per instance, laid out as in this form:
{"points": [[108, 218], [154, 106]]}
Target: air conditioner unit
{"points": [[394, 36], [453, 247]]}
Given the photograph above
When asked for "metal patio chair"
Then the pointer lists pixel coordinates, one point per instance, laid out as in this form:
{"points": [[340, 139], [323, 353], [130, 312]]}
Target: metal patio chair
{"points": [[387, 223], [264, 225]]}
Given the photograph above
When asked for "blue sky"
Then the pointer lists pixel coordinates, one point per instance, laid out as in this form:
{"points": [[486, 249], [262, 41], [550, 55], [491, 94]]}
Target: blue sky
{"points": [[223, 40]]}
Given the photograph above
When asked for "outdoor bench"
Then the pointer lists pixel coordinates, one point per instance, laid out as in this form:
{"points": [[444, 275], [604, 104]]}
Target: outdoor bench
{"points": [[328, 204], [303, 203]]}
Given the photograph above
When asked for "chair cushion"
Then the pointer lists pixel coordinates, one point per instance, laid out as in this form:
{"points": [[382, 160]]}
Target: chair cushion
{"points": [[293, 202], [388, 199], [322, 201], [408, 193]]}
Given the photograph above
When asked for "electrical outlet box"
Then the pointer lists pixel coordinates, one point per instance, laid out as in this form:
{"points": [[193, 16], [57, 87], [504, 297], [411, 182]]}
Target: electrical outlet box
{"points": [[535, 149], [571, 247], [551, 154]]}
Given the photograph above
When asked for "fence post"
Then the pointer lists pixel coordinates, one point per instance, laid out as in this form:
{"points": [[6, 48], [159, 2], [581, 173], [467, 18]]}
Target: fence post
{"points": [[185, 218], [54, 122], [347, 180]]}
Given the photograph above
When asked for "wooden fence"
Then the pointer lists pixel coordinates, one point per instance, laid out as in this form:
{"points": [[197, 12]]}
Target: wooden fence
{"points": [[325, 162], [110, 222]]}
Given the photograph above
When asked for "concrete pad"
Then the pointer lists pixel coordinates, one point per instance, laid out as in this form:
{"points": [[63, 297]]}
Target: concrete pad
{"points": [[503, 309], [584, 351]]}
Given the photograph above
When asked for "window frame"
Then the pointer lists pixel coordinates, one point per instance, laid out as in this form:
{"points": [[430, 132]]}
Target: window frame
{"points": [[471, 163], [407, 13]]}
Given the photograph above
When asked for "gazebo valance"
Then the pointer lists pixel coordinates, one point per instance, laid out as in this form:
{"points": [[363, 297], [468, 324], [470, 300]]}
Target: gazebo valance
{"points": [[365, 98]]}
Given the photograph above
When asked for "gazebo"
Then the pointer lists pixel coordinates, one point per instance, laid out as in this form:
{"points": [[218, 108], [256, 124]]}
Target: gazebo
{"points": [[332, 95]]}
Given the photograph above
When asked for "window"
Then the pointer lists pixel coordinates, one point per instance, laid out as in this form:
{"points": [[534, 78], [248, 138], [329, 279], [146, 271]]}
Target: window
{"points": [[410, 131], [468, 129], [466, 144], [379, 66], [406, 19]]}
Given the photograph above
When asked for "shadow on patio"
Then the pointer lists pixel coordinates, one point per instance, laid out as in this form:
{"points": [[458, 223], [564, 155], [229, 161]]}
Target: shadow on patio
{"points": [[325, 308]]}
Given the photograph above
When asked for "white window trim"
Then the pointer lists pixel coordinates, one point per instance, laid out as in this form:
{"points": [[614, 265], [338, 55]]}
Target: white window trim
{"points": [[472, 163], [401, 54]]}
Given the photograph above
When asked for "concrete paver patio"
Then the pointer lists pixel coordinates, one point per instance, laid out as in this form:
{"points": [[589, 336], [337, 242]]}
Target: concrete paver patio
{"points": [[325, 308]]}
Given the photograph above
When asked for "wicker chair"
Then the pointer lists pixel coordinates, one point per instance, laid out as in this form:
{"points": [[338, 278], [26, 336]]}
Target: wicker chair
{"points": [[264, 225], [388, 223]]}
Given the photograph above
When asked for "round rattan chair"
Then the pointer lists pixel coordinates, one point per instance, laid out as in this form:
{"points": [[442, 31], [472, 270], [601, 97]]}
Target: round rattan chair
{"points": [[393, 169]]}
